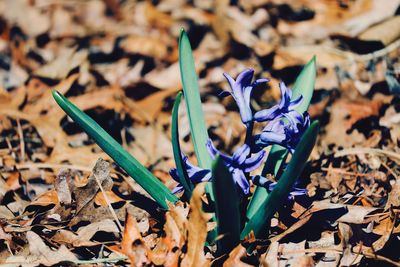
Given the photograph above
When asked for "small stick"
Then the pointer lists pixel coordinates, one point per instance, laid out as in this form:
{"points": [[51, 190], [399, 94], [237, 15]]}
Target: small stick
{"points": [[108, 203], [21, 140], [52, 166], [361, 150]]}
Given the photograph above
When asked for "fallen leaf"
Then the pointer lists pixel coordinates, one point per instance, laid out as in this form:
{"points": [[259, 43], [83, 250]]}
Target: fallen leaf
{"points": [[197, 230], [61, 184], [40, 253], [235, 257], [132, 244], [111, 196], [394, 196]]}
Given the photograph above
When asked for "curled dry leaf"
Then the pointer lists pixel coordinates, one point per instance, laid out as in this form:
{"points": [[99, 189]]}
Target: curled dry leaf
{"points": [[61, 185], [111, 196], [197, 230], [394, 196], [40, 253], [63, 64], [84, 234], [169, 249], [385, 32], [147, 46], [85, 194], [132, 244], [46, 199], [235, 257]]}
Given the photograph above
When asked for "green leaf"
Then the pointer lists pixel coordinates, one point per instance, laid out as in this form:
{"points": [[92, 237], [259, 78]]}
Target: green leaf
{"points": [[193, 101], [140, 174], [276, 156], [226, 207], [180, 165], [304, 86], [259, 222]]}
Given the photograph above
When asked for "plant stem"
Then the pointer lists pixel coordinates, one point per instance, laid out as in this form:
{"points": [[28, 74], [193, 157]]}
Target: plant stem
{"points": [[249, 134]]}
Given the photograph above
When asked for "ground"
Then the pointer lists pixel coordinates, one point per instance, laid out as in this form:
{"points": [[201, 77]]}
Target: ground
{"points": [[63, 201]]}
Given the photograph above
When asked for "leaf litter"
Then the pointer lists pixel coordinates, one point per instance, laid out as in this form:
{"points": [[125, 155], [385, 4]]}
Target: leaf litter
{"points": [[63, 200]]}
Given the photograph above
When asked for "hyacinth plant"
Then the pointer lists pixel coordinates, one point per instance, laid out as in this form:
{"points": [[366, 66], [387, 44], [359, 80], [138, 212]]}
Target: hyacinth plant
{"points": [[286, 130]]}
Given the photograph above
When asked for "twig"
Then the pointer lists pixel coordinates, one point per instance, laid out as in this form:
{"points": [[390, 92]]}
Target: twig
{"points": [[378, 257], [108, 203], [122, 258], [360, 150], [333, 250], [390, 170], [340, 171], [21, 140], [380, 53], [349, 57], [51, 166]]}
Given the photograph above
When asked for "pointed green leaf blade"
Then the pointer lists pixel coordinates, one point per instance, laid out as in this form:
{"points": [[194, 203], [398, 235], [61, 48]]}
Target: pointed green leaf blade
{"points": [[258, 223], [180, 165], [304, 85], [226, 207], [276, 156], [193, 101], [140, 174]]}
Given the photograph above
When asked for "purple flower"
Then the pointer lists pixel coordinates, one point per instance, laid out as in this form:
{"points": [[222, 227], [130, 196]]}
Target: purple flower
{"points": [[286, 133], [241, 91], [196, 174], [239, 163], [281, 109], [269, 185]]}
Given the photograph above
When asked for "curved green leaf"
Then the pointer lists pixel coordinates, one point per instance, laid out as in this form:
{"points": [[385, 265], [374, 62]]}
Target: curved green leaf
{"points": [[140, 174], [276, 156], [304, 86], [259, 222], [191, 92], [180, 165], [226, 207]]}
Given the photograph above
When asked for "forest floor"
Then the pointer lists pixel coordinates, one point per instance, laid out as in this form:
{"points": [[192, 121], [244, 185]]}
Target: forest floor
{"points": [[117, 61]]}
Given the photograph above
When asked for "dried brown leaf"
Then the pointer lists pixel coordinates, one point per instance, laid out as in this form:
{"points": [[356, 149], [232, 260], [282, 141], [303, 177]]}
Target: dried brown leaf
{"points": [[235, 257], [197, 231], [40, 253], [394, 196], [132, 244]]}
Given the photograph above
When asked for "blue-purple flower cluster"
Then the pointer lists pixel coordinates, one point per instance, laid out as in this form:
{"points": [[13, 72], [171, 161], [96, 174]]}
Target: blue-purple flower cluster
{"points": [[284, 127]]}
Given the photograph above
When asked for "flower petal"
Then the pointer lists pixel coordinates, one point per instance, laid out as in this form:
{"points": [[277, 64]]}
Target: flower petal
{"points": [[230, 80], [259, 81], [262, 181], [211, 149], [254, 162], [177, 189], [241, 154], [245, 77], [214, 152], [246, 115], [174, 174], [272, 137], [241, 181], [200, 175], [295, 103], [268, 114], [285, 96], [224, 94], [270, 185]]}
